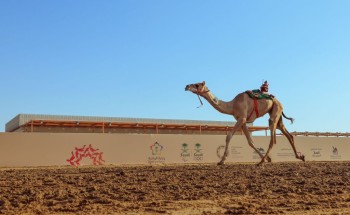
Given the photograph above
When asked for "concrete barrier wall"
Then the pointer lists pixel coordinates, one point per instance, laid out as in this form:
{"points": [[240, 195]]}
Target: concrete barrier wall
{"points": [[57, 149]]}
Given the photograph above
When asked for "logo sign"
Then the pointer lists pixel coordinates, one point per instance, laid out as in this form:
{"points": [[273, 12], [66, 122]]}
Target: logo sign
{"points": [[95, 155], [335, 154], [156, 149], [236, 152], [220, 151], [198, 155], [156, 154], [186, 154], [316, 152]]}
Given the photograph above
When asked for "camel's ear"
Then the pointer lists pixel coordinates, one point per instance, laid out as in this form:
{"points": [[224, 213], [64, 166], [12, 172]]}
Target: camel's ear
{"points": [[203, 83]]}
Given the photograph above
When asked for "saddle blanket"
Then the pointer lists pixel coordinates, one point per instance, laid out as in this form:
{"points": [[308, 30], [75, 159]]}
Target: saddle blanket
{"points": [[257, 94]]}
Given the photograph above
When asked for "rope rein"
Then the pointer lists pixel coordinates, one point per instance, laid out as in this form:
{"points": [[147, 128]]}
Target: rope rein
{"points": [[199, 93]]}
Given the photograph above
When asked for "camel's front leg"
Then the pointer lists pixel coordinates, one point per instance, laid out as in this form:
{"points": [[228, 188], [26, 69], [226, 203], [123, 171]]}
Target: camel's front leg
{"points": [[237, 126]]}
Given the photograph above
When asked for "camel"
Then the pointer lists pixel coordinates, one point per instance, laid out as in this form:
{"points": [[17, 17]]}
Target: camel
{"points": [[245, 110]]}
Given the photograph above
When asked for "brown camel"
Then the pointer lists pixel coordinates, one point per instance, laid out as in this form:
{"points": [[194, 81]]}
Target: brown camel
{"points": [[242, 108]]}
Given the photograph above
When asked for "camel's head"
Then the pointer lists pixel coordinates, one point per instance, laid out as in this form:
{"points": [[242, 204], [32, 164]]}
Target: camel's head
{"points": [[198, 88]]}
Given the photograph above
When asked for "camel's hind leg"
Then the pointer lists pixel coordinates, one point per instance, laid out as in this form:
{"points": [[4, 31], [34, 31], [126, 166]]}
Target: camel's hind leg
{"points": [[290, 138], [273, 126], [275, 115], [250, 142]]}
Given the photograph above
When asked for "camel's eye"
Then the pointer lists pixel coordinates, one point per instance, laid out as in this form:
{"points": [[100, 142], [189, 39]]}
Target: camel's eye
{"points": [[196, 85]]}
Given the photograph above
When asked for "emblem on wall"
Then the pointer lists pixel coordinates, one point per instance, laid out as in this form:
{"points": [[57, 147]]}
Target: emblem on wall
{"points": [[316, 152], [198, 154], [191, 154], [156, 149], [220, 151], [86, 152], [156, 157], [335, 150], [185, 154], [336, 155]]}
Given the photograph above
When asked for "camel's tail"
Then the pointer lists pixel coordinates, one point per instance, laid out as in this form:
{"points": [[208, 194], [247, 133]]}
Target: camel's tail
{"points": [[291, 119]]}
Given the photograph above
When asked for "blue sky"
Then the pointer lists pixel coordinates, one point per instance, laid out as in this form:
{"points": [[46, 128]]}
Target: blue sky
{"points": [[133, 58]]}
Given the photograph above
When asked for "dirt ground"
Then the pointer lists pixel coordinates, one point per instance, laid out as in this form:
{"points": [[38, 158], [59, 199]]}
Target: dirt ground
{"points": [[274, 188]]}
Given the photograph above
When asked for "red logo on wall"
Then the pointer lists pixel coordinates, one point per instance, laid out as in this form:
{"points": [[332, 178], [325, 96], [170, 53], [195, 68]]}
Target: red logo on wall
{"points": [[85, 152]]}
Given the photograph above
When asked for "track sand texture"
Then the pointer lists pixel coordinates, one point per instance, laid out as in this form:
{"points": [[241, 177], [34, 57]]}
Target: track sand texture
{"points": [[274, 188]]}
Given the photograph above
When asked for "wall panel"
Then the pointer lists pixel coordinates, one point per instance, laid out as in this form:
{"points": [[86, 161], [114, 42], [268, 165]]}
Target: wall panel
{"points": [[57, 149]]}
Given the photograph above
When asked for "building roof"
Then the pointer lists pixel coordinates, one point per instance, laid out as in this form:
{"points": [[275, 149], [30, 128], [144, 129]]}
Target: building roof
{"points": [[27, 122]]}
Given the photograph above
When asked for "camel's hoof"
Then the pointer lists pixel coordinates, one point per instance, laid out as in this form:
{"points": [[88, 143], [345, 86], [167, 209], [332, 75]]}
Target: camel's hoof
{"points": [[221, 163], [269, 159], [260, 163], [302, 157]]}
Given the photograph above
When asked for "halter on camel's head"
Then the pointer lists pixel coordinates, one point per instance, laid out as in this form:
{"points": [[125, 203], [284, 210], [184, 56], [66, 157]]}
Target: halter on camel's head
{"points": [[199, 89]]}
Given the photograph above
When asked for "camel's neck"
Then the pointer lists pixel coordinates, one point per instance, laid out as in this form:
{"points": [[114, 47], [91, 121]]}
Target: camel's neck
{"points": [[219, 105]]}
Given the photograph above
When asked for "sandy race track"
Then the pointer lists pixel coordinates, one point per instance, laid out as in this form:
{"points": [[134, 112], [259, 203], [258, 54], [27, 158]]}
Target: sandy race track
{"points": [[275, 188]]}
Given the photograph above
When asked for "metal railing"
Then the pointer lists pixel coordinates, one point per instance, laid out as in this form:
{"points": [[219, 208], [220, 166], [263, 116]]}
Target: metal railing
{"points": [[321, 134]]}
